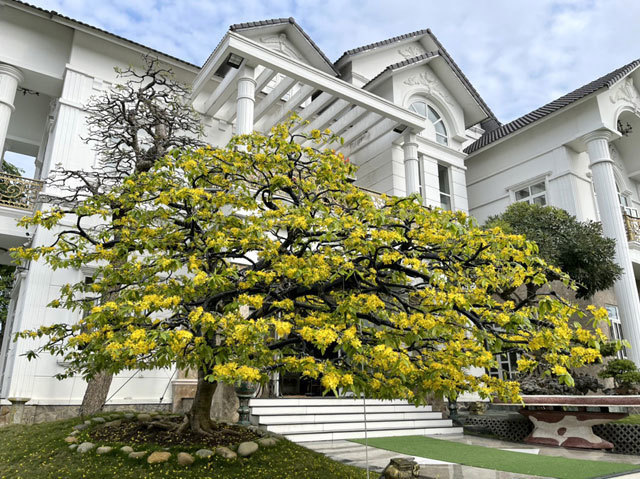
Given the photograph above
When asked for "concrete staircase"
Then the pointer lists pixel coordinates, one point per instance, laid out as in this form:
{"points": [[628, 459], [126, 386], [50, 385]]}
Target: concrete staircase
{"points": [[330, 419]]}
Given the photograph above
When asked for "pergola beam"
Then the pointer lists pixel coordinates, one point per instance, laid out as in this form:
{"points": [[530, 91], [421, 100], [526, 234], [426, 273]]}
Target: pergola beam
{"points": [[223, 93], [320, 123], [355, 145], [297, 99], [273, 96]]}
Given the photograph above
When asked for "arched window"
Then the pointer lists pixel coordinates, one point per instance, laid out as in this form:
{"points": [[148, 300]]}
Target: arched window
{"points": [[421, 108]]}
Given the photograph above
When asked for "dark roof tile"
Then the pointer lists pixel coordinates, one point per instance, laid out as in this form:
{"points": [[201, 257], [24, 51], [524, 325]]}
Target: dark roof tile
{"points": [[388, 41], [279, 21], [604, 81]]}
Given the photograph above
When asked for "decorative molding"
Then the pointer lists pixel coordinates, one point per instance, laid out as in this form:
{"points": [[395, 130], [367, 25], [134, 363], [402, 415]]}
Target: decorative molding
{"points": [[626, 91], [431, 84], [281, 44], [411, 51]]}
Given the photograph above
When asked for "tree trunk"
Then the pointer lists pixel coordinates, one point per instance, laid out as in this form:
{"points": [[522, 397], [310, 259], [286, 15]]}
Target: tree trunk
{"points": [[199, 416], [96, 393]]}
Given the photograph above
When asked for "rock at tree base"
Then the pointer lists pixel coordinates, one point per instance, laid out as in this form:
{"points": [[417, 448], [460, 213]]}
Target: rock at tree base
{"points": [[268, 441], [225, 452], [204, 453], [129, 415], [245, 449], [144, 417], [117, 422], [225, 404], [158, 457], [70, 439], [85, 447], [99, 420], [185, 459], [137, 455], [126, 449], [104, 450], [80, 427], [73, 447]]}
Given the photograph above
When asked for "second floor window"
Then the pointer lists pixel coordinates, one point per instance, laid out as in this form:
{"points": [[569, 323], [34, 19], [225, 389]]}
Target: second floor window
{"points": [[445, 187], [535, 194], [424, 110]]}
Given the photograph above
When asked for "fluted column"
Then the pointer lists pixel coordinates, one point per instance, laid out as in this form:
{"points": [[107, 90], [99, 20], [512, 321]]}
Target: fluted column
{"points": [[10, 78], [245, 101], [625, 288], [411, 168]]}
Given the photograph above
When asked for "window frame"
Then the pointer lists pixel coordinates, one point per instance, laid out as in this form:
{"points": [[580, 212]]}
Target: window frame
{"points": [[616, 328], [542, 179], [440, 138]]}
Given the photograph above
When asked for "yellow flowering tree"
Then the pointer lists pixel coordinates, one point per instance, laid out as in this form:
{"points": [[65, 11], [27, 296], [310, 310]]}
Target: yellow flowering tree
{"points": [[244, 261]]}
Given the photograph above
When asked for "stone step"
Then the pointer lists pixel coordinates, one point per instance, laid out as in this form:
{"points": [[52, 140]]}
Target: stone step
{"points": [[330, 418], [329, 409], [286, 429], [335, 436], [324, 402]]}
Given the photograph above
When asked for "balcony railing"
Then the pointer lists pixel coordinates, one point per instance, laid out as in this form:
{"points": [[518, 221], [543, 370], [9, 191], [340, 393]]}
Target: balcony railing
{"points": [[17, 192]]}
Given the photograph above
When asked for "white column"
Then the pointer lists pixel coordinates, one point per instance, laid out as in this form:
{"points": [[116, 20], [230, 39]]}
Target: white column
{"points": [[613, 226], [411, 168], [10, 77], [246, 100]]}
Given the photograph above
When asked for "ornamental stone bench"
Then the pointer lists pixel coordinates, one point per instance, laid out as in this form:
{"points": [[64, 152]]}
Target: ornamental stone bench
{"points": [[572, 428]]}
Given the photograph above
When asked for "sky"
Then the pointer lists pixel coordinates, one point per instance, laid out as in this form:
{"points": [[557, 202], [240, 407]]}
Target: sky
{"points": [[518, 54]]}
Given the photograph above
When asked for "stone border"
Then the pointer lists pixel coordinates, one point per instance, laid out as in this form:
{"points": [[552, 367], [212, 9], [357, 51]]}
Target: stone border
{"points": [[230, 452]]}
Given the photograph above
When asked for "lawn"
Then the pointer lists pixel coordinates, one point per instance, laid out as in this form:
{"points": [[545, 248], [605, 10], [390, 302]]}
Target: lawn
{"points": [[478, 456], [39, 451]]}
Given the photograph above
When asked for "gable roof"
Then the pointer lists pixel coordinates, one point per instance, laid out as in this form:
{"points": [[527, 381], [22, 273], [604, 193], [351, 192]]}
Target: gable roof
{"points": [[239, 27], [52, 13], [605, 81], [388, 41], [396, 66], [441, 51]]}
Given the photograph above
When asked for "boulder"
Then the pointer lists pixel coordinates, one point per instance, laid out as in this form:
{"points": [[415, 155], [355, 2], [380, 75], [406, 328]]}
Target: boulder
{"points": [[267, 441], [224, 406], [99, 420], [70, 439], [204, 453], [129, 415], [104, 450], [137, 455], [85, 447], [117, 422], [75, 432], [158, 457], [126, 449], [73, 447], [185, 459], [245, 449], [144, 417], [225, 452], [80, 427]]}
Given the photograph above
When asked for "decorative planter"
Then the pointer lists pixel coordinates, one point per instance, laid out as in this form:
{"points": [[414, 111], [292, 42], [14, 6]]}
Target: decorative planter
{"points": [[245, 391]]}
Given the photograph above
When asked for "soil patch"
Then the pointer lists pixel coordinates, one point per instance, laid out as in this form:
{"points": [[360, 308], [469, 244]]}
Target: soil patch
{"points": [[137, 432]]}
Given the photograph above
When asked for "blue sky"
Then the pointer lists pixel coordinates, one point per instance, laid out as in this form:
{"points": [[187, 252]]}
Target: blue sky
{"points": [[518, 54]]}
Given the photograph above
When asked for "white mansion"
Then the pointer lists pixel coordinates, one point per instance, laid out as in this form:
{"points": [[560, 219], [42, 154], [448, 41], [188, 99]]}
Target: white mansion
{"points": [[410, 119]]}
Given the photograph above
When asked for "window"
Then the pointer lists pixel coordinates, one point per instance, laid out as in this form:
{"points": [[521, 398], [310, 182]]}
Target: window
{"points": [[625, 205], [534, 194], [425, 111], [616, 327], [507, 367], [444, 186]]}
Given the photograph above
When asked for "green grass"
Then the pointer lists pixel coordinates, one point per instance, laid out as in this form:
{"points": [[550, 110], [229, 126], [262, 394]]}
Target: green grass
{"points": [[39, 452], [630, 419], [489, 458]]}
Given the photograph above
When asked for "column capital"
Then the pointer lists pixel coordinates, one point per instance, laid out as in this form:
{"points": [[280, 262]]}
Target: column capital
{"points": [[10, 70], [596, 135]]}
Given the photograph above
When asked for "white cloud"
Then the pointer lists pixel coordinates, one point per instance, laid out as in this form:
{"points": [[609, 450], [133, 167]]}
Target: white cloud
{"points": [[519, 55]]}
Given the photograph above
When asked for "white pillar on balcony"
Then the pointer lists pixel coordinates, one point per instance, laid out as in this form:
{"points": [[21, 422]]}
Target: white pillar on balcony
{"points": [[625, 288], [411, 168], [246, 100], [10, 78]]}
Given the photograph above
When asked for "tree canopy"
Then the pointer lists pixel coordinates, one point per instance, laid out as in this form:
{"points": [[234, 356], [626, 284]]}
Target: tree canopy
{"points": [[578, 248], [242, 261]]}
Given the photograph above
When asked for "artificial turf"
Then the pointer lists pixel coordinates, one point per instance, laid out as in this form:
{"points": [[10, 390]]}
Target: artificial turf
{"points": [[489, 458]]}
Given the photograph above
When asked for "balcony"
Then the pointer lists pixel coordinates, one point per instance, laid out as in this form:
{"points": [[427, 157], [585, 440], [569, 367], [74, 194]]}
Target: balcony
{"points": [[18, 193]]}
